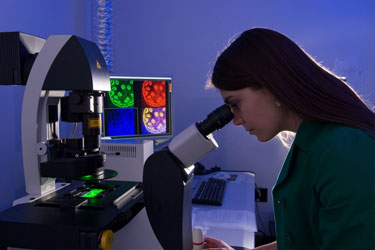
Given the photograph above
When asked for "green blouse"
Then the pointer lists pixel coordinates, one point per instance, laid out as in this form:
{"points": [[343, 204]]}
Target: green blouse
{"points": [[324, 197]]}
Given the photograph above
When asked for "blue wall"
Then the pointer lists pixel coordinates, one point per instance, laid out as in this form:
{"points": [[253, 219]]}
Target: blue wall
{"points": [[182, 39]]}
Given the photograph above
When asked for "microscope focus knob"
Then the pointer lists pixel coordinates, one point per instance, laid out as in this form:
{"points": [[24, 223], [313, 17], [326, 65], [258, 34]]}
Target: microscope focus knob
{"points": [[41, 148], [75, 98], [106, 239]]}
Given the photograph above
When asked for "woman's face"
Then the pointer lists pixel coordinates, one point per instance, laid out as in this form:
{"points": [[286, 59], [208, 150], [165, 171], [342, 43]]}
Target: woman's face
{"points": [[256, 111]]}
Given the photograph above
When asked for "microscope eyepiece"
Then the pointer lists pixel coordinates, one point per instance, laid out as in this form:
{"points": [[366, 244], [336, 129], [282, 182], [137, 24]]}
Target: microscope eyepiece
{"points": [[215, 120]]}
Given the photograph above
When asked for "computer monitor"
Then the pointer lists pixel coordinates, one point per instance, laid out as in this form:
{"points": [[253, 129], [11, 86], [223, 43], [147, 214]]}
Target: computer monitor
{"points": [[138, 107]]}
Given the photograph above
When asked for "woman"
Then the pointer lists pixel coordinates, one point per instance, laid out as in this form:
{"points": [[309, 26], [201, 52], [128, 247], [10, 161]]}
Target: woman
{"points": [[324, 195]]}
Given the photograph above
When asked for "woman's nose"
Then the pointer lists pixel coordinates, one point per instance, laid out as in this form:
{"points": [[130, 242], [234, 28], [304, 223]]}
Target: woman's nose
{"points": [[237, 121]]}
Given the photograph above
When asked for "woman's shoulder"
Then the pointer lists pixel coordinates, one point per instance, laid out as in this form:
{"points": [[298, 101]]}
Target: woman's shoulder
{"points": [[332, 137], [338, 133], [344, 142], [310, 133], [342, 152]]}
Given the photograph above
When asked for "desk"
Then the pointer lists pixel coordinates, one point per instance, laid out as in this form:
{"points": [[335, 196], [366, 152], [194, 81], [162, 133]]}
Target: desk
{"points": [[234, 221], [238, 202]]}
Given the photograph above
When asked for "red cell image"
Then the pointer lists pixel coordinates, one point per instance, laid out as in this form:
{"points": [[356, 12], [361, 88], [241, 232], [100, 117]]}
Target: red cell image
{"points": [[154, 93]]}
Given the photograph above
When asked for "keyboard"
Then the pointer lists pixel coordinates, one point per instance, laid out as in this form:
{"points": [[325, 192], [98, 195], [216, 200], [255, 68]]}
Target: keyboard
{"points": [[209, 192]]}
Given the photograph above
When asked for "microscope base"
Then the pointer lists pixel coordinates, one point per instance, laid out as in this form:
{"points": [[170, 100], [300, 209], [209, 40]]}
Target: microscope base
{"points": [[68, 219]]}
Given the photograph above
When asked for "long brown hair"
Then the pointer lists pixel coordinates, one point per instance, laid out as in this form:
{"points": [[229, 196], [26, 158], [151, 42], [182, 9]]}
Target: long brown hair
{"points": [[263, 58]]}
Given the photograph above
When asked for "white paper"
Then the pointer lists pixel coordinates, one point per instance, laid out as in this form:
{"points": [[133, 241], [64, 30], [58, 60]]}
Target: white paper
{"points": [[231, 219]]}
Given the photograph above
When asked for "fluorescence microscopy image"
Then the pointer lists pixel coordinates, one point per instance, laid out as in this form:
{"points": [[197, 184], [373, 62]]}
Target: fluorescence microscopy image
{"points": [[153, 93], [154, 120], [120, 122], [122, 93]]}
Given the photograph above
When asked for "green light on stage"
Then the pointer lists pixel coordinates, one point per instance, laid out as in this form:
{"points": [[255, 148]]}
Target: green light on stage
{"points": [[87, 177], [92, 193]]}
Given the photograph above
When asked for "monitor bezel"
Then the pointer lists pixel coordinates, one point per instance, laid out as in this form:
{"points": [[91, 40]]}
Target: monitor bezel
{"points": [[169, 111]]}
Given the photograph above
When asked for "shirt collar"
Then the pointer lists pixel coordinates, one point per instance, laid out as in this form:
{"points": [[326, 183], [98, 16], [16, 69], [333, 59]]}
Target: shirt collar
{"points": [[306, 134]]}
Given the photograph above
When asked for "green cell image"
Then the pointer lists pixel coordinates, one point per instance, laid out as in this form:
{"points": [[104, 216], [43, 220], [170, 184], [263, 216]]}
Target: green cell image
{"points": [[122, 93], [92, 193]]}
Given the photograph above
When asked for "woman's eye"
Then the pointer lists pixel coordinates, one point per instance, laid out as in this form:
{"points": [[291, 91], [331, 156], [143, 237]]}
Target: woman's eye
{"points": [[233, 106]]}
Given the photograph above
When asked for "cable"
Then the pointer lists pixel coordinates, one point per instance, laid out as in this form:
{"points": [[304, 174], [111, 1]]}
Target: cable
{"points": [[73, 130], [270, 223], [52, 127], [258, 214]]}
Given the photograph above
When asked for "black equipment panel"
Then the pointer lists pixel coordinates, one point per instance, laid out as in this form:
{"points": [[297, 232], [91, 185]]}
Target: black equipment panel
{"points": [[65, 220]]}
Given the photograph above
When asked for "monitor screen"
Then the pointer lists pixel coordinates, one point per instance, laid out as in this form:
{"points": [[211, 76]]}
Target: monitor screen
{"points": [[138, 107]]}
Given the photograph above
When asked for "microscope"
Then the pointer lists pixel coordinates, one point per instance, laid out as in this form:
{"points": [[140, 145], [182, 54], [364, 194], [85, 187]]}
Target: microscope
{"points": [[168, 176], [66, 78]]}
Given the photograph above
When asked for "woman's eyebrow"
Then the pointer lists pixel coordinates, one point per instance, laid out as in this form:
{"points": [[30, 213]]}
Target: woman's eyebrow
{"points": [[228, 100]]}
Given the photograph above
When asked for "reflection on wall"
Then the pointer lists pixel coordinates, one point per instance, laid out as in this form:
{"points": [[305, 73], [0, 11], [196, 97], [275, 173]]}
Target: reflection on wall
{"points": [[102, 29]]}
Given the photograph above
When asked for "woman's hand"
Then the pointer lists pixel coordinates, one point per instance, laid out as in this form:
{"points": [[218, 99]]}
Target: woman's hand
{"points": [[212, 243], [270, 246]]}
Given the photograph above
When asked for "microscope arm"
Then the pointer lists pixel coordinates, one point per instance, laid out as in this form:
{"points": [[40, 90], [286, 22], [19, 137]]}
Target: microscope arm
{"points": [[34, 115]]}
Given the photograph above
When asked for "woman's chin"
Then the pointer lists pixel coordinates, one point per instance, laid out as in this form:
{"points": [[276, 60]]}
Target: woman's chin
{"points": [[263, 139]]}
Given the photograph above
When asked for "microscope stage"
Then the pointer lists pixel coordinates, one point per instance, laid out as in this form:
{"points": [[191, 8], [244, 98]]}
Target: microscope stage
{"points": [[73, 217]]}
